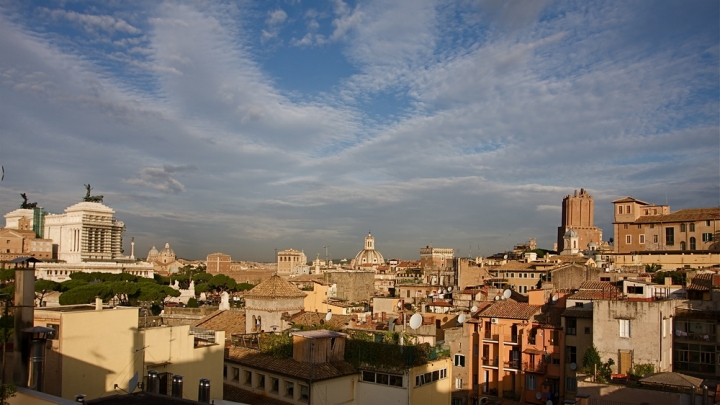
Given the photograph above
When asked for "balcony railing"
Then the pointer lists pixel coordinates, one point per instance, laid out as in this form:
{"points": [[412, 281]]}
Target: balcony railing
{"points": [[511, 338], [489, 336], [512, 364], [540, 367], [490, 362]]}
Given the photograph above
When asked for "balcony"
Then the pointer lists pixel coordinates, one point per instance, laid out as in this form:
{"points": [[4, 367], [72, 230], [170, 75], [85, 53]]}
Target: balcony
{"points": [[537, 368], [490, 362], [510, 339], [491, 337], [514, 364]]}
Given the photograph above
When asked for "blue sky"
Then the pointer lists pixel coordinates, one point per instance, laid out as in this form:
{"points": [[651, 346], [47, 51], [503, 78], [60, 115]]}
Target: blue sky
{"points": [[245, 126]]}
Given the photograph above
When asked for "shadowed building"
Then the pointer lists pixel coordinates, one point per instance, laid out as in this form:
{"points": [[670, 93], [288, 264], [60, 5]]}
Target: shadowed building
{"points": [[578, 214]]}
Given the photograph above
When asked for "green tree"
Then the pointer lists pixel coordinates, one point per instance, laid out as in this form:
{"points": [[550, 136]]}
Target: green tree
{"points": [[68, 285], [652, 268], [200, 278], [221, 282], [43, 287], [155, 292], [590, 359], [86, 294], [243, 287], [7, 391], [677, 277], [192, 303], [124, 291]]}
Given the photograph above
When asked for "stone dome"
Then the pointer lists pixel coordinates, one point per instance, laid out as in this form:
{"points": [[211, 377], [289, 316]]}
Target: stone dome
{"points": [[369, 255], [571, 233], [152, 253], [167, 255]]}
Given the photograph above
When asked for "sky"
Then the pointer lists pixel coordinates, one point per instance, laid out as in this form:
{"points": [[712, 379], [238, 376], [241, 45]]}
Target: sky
{"points": [[248, 126]]}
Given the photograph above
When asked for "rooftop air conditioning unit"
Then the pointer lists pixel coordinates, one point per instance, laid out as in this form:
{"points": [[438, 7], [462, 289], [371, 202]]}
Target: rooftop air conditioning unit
{"points": [[493, 320]]}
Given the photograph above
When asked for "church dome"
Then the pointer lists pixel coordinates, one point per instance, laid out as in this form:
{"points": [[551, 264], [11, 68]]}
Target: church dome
{"points": [[167, 255], [152, 254], [369, 255], [571, 233]]}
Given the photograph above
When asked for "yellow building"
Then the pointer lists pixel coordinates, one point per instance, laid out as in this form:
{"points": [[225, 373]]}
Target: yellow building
{"points": [[96, 352]]}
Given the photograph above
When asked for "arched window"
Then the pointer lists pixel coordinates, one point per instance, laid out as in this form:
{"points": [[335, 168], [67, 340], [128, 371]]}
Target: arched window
{"points": [[682, 245], [620, 209], [574, 244], [692, 243]]}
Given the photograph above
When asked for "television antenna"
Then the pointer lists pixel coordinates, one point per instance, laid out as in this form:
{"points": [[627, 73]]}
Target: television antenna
{"points": [[327, 257]]}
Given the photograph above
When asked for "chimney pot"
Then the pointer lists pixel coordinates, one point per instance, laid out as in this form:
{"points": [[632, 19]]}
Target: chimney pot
{"points": [[98, 304], [204, 391]]}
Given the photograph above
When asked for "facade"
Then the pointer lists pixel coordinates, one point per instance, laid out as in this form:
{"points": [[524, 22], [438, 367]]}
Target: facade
{"points": [[578, 214], [218, 263], [642, 227], [288, 260], [432, 258], [165, 260], [368, 257], [351, 285], [93, 349], [16, 243]]}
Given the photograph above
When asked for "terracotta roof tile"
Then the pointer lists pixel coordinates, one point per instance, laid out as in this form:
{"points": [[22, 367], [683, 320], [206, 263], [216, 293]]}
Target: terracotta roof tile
{"points": [[513, 265], [578, 312], [597, 285], [288, 366], [275, 287], [550, 316], [510, 309], [690, 214], [701, 282], [232, 322]]}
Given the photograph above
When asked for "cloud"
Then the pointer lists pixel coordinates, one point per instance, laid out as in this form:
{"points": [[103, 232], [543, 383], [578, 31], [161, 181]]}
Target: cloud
{"points": [[93, 22], [162, 178]]}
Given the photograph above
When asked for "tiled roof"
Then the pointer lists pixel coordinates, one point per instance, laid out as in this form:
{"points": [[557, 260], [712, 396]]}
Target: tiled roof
{"points": [[318, 278], [232, 322], [630, 199], [510, 309], [237, 394], [275, 287], [701, 282], [690, 214], [597, 285], [287, 366], [440, 304], [514, 265], [578, 312], [315, 318], [596, 295]]}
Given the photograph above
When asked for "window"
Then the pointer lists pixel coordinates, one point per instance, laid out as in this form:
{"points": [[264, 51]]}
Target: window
{"points": [[555, 340], [670, 236], [683, 246], [224, 372], [707, 237], [247, 377], [625, 226], [635, 289], [274, 385], [627, 209], [55, 334], [620, 209], [382, 378], [459, 360], [624, 325], [707, 223], [571, 383], [639, 226], [476, 350], [693, 244], [628, 239], [530, 382], [655, 239], [556, 361], [458, 383], [430, 377], [683, 228], [260, 382], [587, 330], [692, 227], [236, 374], [571, 353], [570, 326], [642, 239], [289, 389], [304, 393]]}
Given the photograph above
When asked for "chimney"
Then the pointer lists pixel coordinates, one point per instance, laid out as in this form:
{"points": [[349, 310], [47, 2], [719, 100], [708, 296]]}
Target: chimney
{"points": [[98, 304], [24, 318], [668, 280], [716, 280], [204, 391], [177, 386], [153, 382]]}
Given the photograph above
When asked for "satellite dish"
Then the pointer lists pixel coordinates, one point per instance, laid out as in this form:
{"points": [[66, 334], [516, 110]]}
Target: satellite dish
{"points": [[538, 395], [132, 384], [474, 308], [461, 318], [549, 402], [497, 298], [573, 366], [400, 304], [328, 316], [416, 321], [506, 294], [554, 297], [449, 289], [442, 291], [505, 257]]}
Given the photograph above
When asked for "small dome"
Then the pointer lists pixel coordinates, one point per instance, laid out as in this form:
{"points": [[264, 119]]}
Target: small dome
{"points": [[369, 255], [167, 252], [571, 233], [153, 252]]}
